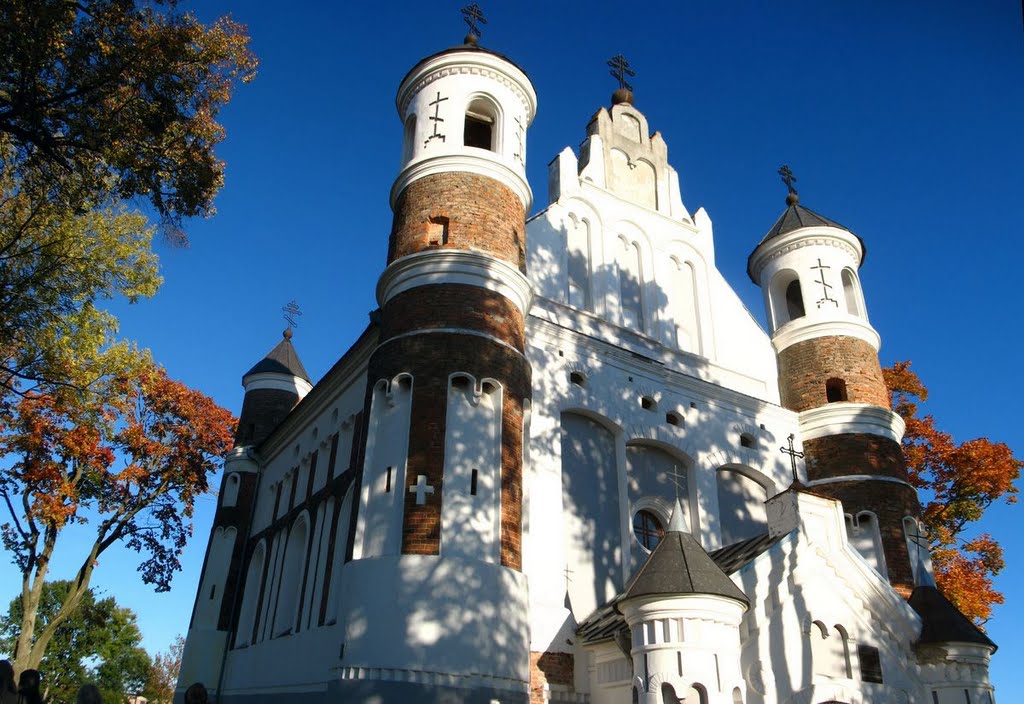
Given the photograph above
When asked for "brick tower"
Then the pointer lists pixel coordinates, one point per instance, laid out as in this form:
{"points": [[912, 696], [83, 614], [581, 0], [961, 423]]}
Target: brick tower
{"points": [[272, 388], [829, 373], [440, 494]]}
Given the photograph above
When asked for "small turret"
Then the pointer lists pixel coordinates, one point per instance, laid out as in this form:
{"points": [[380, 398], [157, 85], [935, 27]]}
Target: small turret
{"points": [[272, 388]]}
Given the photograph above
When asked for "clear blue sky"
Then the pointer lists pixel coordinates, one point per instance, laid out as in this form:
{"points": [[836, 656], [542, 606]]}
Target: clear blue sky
{"points": [[901, 120]]}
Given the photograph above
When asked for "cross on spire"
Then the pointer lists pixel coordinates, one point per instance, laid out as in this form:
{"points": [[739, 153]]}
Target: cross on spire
{"points": [[291, 311], [793, 454], [471, 15], [620, 69], [677, 478], [788, 178]]}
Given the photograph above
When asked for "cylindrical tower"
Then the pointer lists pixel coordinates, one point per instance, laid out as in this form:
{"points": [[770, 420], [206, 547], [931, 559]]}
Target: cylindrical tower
{"points": [[272, 388], [829, 373], [440, 495]]}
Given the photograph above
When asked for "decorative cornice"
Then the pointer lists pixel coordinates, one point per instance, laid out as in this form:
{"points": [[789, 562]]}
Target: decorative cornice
{"points": [[806, 328], [482, 163], [804, 237], [845, 418], [453, 266], [477, 63], [276, 381]]}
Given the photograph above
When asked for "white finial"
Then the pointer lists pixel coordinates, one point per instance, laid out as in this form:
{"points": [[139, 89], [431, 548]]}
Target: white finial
{"points": [[675, 523]]}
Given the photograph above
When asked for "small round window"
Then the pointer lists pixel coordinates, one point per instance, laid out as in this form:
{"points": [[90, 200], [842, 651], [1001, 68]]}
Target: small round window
{"points": [[647, 529]]}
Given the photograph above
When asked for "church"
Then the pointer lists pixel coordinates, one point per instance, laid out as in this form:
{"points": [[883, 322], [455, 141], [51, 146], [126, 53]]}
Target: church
{"points": [[564, 463]]}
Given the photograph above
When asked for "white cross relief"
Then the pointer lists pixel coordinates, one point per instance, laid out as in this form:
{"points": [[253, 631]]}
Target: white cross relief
{"points": [[421, 489]]}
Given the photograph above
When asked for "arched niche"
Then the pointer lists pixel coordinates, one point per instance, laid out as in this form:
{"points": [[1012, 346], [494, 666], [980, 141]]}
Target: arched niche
{"points": [[852, 294], [579, 263], [292, 572], [631, 284], [785, 298], [864, 534], [251, 596], [482, 124], [741, 507]]}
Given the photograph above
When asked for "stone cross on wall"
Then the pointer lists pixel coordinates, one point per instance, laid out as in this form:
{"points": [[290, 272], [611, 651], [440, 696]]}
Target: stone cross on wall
{"points": [[421, 489]]}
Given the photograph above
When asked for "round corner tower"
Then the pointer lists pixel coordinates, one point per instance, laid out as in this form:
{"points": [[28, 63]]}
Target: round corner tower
{"points": [[440, 494], [829, 373]]}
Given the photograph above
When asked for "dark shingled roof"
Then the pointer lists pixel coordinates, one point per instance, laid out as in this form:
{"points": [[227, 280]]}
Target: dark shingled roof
{"points": [[679, 565], [796, 217], [606, 621], [943, 622], [283, 359]]}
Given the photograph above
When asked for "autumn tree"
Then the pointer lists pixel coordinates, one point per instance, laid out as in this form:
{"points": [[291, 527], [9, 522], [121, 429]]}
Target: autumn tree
{"points": [[129, 461], [121, 95], [99, 643], [958, 482], [163, 674]]}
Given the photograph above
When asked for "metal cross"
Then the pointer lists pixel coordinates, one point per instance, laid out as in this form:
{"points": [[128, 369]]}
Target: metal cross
{"points": [[620, 69], [435, 118], [793, 454], [291, 311], [471, 14], [568, 578], [677, 478], [824, 286], [788, 178], [421, 489]]}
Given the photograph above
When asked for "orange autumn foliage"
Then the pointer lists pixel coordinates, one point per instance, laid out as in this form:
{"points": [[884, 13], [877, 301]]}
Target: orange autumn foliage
{"points": [[958, 482]]}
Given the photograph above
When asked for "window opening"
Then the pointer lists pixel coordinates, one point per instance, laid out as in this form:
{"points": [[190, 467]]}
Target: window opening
{"points": [[648, 403], [673, 419], [647, 529], [870, 663], [479, 128], [213, 590], [387, 485], [746, 440], [472, 483], [794, 300], [577, 378], [835, 390], [437, 231]]}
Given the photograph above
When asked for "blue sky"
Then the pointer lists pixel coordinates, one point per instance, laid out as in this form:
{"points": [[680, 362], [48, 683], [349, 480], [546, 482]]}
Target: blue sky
{"points": [[901, 121]]}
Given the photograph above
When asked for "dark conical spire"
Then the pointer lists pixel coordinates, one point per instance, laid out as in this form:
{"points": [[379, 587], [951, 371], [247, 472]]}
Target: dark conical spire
{"points": [[283, 359], [943, 622]]}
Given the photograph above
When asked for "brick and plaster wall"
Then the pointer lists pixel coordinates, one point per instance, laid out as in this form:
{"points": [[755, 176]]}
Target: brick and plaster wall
{"points": [[806, 366]]}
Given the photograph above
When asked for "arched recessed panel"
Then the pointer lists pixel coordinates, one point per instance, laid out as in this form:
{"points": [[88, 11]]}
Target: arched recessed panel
{"points": [[579, 258], [852, 294], [631, 285], [740, 506], [251, 595]]}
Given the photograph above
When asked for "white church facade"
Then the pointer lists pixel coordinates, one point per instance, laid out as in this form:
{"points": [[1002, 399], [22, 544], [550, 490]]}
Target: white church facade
{"points": [[550, 469]]}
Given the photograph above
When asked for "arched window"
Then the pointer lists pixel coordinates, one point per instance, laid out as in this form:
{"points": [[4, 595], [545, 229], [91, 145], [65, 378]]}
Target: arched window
{"points": [[668, 694], [835, 390], [648, 529], [251, 596], [408, 145], [578, 269], [229, 496], [481, 127], [851, 292], [292, 572], [631, 285], [794, 300]]}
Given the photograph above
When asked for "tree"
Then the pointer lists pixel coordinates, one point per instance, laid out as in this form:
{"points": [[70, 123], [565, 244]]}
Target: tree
{"points": [[57, 263], [123, 95], [163, 674], [64, 451], [99, 643], [959, 481]]}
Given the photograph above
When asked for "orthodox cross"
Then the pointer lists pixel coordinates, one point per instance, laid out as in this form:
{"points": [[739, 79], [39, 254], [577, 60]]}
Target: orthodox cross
{"points": [[620, 69], [568, 575], [435, 118], [291, 311], [824, 286], [677, 478], [788, 178], [471, 14], [793, 454], [421, 489]]}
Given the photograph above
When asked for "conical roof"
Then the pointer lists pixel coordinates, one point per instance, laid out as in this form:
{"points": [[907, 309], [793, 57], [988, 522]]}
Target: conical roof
{"points": [[679, 565], [283, 359], [943, 622], [796, 217]]}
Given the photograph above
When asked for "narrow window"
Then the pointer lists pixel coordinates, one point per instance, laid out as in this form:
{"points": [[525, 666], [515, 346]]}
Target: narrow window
{"points": [[746, 440], [577, 378], [387, 486], [410, 133], [794, 300], [480, 124], [213, 590], [870, 664], [648, 403], [472, 483], [967, 697], [679, 662], [850, 293], [835, 390], [437, 231]]}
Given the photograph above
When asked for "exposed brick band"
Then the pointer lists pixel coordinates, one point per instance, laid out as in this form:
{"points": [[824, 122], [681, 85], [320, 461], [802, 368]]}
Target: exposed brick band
{"points": [[431, 359], [854, 453], [805, 367], [480, 214], [262, 411], [454, 306], [548, 669]]}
